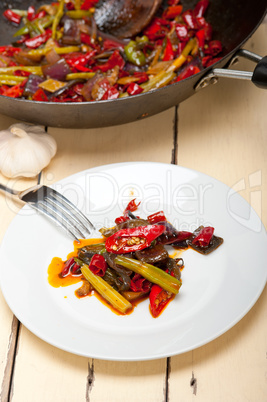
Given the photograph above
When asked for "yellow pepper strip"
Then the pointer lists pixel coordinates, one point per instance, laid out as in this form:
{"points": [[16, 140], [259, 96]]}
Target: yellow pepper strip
{"points": [[77, 4], [58, 50], [58, 16], [158, 81], [180, 60], [31, 69], [51, 85], [78, 14], [10, 80], [75, 76], [106, 291]]}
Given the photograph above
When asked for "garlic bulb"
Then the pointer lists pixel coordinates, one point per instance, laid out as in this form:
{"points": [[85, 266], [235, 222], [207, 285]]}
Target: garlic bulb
{"points": [[25, 150]]}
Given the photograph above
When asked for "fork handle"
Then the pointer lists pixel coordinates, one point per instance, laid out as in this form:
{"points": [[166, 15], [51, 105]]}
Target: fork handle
{"points": [[8, 190]]}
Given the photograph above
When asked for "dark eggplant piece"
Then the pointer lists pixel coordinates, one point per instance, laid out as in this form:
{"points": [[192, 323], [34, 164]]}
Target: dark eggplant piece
{"points": [[122, 280], [86, 253], [213, 244], [172, 235], [152, 254], [133, 223], [172, 266]]}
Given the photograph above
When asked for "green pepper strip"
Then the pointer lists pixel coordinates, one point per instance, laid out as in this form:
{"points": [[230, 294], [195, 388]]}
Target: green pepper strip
{"points": [[58, 50], [134, 55], [57, 18], [78, 14], [31, 69], [10, 80], [76, 76], [43, 22], [163, 78], [105, 290], [153, 274]]}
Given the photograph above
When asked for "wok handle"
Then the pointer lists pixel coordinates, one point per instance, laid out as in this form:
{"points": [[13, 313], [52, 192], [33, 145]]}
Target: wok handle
{"points": [[258, 76]]}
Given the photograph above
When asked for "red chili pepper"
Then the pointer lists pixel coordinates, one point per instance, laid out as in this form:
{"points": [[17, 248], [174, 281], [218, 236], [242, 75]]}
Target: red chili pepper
{"points": [[168, 51], [80, 61], [31, 13], [115, 60], [140, 284], [40, 96], [38, 40], [159, 299], [201, 8], [132, 206], [156, 29], [172, 12], [181, 31], [21, 73], [204, 237], [85, 38], [16, 91], [157, 217], [70, 6], [41, 14], [173, 2], [111, 93], [133, 239], [208, 31], [201, 37], [9, 50], [112, 44], [87, 4], [67, 266], [190, 19], [121, 219], [134, 89], [187, 72], [12, 16], [98, 265], [215, 47], [142, 77]]}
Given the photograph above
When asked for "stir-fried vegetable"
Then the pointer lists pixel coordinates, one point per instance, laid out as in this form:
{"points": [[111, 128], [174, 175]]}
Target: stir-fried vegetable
{"points": [[174, 46], [132, 263]]}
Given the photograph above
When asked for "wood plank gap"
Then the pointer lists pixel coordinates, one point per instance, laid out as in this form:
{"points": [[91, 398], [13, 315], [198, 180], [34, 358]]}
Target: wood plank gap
{"points": [[174, 159], [90, 380], [10, 361], [167, 378]]}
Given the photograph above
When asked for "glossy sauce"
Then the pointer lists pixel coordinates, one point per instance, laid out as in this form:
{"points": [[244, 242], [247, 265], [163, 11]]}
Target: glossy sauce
{"points": [[56, 280]]}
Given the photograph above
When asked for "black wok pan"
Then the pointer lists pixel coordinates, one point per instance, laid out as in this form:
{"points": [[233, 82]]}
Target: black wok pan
{"points": [[233, 21]]}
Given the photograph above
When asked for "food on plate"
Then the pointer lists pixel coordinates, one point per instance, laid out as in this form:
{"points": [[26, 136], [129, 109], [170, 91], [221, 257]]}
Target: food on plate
{"points": [[132, 261], [59, 55]]}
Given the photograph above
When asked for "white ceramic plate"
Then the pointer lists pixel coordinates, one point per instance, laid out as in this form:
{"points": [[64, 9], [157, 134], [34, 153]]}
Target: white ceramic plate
{"points": [[217, 291]]}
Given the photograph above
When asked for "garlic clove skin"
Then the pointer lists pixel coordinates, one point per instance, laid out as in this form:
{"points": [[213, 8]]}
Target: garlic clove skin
{"points": [[25, 150]]}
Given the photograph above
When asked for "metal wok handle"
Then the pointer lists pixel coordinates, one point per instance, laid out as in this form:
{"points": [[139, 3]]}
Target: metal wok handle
{"points": [[258, 76]]}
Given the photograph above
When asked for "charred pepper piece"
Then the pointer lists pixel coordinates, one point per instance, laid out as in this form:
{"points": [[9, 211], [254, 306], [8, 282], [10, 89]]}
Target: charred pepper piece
{"points": [[128, 240]]}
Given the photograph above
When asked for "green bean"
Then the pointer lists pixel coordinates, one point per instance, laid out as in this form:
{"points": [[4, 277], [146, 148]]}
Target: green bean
{"points": [[106, 291], [44, 22], [151, 273], [57, 18]]}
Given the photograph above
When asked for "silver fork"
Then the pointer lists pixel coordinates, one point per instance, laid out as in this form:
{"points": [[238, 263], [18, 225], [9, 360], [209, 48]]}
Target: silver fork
{"points": [[56, 207]]}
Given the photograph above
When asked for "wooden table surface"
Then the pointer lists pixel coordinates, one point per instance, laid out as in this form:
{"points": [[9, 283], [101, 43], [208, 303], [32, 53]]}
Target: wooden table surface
{"points": [[221, 131]]}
